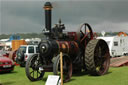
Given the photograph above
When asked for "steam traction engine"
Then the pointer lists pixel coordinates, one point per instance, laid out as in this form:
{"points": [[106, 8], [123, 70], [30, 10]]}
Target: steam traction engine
{"points": [[81, 51]]}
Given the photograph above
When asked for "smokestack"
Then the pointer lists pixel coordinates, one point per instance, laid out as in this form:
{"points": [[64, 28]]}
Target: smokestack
{"points": [[48, 11]]}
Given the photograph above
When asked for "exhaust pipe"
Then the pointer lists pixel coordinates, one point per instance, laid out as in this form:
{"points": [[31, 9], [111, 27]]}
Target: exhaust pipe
{"points": [[48, 12]]}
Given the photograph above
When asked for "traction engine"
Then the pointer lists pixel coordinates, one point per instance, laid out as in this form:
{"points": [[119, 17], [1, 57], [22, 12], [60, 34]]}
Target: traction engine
{"points": [[81, 51]]}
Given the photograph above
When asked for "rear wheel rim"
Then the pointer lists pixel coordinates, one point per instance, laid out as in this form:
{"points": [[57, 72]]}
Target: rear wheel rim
{"points": [[101, 60]]}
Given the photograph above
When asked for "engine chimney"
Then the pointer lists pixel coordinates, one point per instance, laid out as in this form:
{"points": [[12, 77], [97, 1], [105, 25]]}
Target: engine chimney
{"points": [[48, 8]]}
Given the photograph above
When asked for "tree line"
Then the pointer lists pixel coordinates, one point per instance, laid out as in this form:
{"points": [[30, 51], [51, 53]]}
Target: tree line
{"points": [[40, 35], [22, 35]]}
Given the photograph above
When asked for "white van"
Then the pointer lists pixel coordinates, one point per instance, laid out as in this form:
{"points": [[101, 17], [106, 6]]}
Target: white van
{"points": [[24, 52], [118, 45]]}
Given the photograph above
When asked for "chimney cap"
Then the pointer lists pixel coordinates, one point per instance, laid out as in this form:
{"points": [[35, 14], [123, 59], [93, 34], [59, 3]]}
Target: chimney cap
{"points": [[48, 4]]}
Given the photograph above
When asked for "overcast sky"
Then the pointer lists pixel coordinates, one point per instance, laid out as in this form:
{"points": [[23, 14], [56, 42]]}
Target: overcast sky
{"points": [[23, 16]]}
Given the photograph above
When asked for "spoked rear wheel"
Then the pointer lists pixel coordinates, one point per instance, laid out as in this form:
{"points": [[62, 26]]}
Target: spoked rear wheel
{"points": [[32, 68], [97, 57], [67, 67]]}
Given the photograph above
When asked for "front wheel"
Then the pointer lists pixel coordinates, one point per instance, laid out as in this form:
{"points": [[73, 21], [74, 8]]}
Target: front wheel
{"points": [[32, 68], [67, 67]]}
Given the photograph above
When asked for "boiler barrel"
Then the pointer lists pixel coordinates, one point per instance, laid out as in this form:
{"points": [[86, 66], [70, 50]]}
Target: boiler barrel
{"points": [[70, 47], [53, 47]]}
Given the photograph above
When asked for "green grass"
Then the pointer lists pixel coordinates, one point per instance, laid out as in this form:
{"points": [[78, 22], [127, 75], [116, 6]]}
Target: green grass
{"points": [[115, 76]]}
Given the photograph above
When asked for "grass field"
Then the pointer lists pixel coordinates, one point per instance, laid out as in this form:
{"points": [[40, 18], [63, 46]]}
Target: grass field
{"points": [[115, 76]]}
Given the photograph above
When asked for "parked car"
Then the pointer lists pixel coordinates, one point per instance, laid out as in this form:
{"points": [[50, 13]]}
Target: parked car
{"points": [[6, 64], [24, 52]]}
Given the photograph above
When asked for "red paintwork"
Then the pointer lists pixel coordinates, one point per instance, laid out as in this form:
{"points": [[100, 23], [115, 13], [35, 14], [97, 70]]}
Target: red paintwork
{"points": [[73, 35], [70, 47], [6, 55], [4, 59], [6, 62]]}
